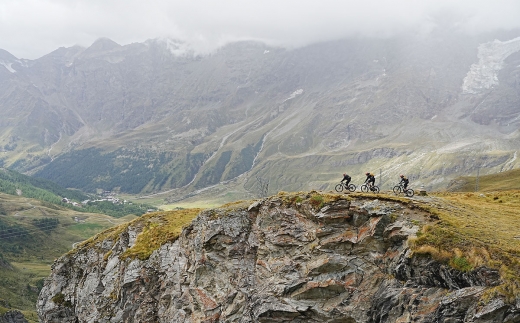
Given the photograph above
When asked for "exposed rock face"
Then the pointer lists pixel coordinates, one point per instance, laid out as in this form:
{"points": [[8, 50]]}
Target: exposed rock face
{"points": [[12, 317], [273, 262], [483, 75]]}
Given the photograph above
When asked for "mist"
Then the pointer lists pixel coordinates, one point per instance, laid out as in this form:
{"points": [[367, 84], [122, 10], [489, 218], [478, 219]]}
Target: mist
{"points": [[32, 28]]}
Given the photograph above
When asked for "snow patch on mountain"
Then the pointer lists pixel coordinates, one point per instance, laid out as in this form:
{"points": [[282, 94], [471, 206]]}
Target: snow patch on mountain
{"points": [[294, 94], [8, 66], [483, 75], [176, 47]]}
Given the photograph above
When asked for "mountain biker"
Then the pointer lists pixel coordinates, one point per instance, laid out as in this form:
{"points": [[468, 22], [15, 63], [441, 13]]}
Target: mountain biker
{"points": [[371, 179], [346, 178], [405, 181]]}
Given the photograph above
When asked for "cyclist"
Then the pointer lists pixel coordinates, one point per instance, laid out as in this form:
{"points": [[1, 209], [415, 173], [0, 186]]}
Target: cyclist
{"points": [[346, 178], [405, 181], [371, 180]]}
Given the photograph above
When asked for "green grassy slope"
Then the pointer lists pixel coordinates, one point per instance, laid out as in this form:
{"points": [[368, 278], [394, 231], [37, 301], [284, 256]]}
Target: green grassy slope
{"points": [[32, 234], [509, 180], [14, 183]]}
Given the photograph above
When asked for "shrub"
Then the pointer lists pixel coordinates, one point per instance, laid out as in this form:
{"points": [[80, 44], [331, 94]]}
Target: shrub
{"points": [[59, 299], [317, 201], [461, 263], [437, 254]]}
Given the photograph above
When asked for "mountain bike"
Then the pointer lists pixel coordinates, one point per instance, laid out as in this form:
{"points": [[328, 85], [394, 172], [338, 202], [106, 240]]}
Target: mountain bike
{"points": [[342, 186], [399, 188], [367, 188]]}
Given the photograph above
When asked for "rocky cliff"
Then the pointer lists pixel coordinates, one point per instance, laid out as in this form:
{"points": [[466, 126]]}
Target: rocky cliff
{"points": [[289, 258]]}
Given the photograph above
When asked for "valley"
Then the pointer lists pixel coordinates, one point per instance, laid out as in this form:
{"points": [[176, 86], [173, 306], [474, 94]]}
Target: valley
{"points": [[143, 120], [466, 221], [254, 131], [33, 234]]}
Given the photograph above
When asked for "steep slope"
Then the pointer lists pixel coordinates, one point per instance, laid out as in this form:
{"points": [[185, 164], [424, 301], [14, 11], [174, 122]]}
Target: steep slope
{"points": [[33, 234], [148, 117], [293, 257], [14, 183], [508, 180]]}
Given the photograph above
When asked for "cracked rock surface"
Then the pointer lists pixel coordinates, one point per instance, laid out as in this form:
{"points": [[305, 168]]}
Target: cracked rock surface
{"points": [[346, 261]]}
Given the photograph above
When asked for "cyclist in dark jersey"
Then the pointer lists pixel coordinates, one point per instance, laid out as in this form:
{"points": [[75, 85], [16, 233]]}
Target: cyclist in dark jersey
{"points": [[371, 179], [346, 178], [405, 181]]}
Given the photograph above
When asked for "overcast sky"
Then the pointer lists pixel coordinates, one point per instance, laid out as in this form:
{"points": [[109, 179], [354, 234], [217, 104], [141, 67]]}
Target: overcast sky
{"points": [[32, 28]]}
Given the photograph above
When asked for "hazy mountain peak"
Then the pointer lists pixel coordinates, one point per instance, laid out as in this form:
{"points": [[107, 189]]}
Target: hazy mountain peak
{"points": [[251, 110], [66, 53], [103, 44], [6, 56], [174, 46], [7, 60]]}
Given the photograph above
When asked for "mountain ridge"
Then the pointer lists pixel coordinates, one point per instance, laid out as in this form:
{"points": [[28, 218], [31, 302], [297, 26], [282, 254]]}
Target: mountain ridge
{"points": [[309, 256], [376, 103]]}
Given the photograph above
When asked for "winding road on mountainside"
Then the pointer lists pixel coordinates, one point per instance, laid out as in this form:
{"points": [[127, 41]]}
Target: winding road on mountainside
{"points": [[222, 142]]}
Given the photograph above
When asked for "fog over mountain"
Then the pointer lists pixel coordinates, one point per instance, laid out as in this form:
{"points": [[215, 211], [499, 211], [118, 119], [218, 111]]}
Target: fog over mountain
{"points": [[187, 98], [155, 117], [30, 29]]}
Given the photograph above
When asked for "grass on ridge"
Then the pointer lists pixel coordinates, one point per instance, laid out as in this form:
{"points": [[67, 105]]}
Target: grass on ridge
{"points": [[476, 229], [508, 180], [159, 228], [471, 229], [492, 218]]}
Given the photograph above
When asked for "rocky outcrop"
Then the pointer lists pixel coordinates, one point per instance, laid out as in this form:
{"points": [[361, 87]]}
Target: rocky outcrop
{"points": [[483, 75], [277, 260], [12, 317]]}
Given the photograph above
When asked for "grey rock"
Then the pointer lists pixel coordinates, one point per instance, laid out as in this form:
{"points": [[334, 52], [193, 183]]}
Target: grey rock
{"points": [[272, 263], [12, 316]]}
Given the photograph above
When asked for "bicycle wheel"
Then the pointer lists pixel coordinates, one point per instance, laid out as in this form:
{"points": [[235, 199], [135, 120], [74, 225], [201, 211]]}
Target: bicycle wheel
{"points": [[364, 188], [409, 192], [375, 189], [339, 187], [397, 189], [352, 187]]}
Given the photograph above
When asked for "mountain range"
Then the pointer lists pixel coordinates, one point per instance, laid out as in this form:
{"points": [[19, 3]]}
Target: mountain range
{"points": [[155, 117]]}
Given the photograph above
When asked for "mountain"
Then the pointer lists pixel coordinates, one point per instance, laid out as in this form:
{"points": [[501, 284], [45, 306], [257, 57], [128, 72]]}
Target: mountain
{"points": [[155, 117], [299, 257], [14, 183]]}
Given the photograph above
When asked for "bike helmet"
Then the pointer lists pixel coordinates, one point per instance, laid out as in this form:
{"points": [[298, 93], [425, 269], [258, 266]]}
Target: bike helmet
{"points": [[367, 174], [401, 176], [344, 174]]}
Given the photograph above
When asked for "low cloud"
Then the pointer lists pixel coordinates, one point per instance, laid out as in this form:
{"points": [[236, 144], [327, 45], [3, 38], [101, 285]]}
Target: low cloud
{"points": [[32, 28]]}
